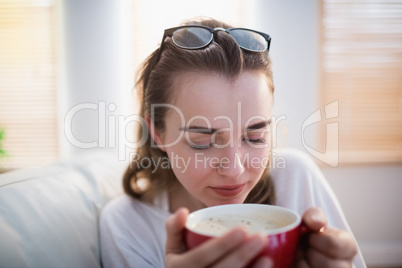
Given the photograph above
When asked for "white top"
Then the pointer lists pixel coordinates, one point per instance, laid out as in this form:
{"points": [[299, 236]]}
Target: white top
{"points": [[133, 233]]}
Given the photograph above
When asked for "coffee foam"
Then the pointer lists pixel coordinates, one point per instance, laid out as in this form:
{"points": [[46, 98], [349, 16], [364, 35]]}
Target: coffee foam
{"points": [[218, 225]]}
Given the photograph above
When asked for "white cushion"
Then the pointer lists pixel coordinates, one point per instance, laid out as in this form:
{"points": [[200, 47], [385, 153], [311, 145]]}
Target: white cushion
{"points": [[49, 216]]}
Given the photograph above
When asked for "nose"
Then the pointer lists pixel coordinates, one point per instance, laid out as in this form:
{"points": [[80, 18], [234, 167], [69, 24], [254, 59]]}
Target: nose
{"points": [[231, 163]]}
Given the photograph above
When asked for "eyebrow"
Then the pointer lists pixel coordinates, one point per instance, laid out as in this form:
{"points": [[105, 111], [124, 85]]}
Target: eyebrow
{"points": [[259, 125], [205, 130]]}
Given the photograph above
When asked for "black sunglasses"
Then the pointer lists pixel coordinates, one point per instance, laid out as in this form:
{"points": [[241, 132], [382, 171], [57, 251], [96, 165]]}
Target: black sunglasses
{"points": [[198, 36]]}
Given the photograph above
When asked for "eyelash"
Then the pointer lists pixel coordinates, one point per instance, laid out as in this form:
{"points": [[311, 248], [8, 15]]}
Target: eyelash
{"points": [[260, 140], [204, 147], [200, 147]]}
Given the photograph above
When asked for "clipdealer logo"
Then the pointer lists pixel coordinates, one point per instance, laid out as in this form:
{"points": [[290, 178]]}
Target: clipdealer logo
{"points": [[331, 154], [114, 131]]}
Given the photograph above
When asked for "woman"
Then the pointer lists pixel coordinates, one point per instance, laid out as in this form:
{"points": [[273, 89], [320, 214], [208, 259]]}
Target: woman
{"points": [[207, 96]]}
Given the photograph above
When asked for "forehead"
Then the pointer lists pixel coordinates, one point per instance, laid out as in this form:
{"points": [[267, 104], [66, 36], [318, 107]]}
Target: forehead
{"points": [[206, 96]]}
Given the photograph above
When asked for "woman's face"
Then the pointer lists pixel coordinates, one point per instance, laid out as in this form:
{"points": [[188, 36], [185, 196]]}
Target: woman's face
{"points": [[217, 136]]}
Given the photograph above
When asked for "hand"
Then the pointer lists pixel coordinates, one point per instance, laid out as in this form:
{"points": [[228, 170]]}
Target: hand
{"points": [[234, 249], [325, 246]]}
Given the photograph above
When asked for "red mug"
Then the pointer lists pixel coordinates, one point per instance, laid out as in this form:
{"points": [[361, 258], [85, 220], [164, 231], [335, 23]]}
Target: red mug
{"points": [[282, 226]]}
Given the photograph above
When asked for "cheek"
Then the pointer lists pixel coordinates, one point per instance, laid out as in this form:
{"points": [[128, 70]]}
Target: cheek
{"points": [[198, 164], [257, 160], [188, 165], [194, 175]]}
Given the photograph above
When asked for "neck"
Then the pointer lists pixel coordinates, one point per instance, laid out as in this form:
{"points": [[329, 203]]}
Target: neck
{"points": [[179, 197]]}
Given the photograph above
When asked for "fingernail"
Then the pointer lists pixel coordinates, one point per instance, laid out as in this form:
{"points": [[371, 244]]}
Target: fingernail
{"points": [[181, 211], [318, 217], [257, 241], [267, 263], [264, 262], [237, 234]]}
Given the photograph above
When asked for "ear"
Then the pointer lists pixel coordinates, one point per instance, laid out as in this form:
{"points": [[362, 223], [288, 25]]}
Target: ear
{"points": [[155, 134]]}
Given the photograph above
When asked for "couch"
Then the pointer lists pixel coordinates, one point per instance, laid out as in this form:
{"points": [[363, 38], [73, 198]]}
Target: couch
{"points": [[49, 216]]}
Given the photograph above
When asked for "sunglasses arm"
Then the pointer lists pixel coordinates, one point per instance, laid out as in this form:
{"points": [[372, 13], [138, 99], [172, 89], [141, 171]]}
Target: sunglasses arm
{"points": [[161, 47]]}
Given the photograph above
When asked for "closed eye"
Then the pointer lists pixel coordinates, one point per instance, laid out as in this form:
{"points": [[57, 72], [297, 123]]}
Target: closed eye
{"points": [[259, 140], [200, 147]]}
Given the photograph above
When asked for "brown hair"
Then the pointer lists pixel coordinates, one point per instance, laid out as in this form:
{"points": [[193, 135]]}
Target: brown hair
{"points": [[155, 85]]}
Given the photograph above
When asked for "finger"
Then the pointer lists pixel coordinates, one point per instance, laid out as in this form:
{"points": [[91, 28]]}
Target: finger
{"points": [[175, 225], [302, 264], [299, 260], [318, 260], [337, 244], [314, 219], [214, 249], [245, 253]]}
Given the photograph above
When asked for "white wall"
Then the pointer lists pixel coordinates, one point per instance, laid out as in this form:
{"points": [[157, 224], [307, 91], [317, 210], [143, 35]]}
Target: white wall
{"points": [[97, 71], [293, 27], [371, 198], [370, 194]]}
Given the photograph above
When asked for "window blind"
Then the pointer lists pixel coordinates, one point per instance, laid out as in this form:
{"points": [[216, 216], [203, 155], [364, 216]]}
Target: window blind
{"points": [[362, 69], [27, 83]]}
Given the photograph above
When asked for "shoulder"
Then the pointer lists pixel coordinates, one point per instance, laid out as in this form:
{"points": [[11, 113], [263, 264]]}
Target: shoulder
{"points": [[116, 214], [128, 209], [299, 182], [117, 204], [118, 209], [288, 161], [132, 232]]}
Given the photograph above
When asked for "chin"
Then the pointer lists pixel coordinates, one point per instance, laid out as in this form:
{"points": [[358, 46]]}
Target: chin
{"points": [[236, 200]]}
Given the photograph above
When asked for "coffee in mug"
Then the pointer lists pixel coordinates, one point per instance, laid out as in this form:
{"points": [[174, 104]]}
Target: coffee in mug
{"points": [[219, 225]]}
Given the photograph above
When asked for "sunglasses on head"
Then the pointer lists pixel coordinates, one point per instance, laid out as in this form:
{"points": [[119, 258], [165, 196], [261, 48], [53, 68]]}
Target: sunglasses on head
{"points": [[198, 36]]}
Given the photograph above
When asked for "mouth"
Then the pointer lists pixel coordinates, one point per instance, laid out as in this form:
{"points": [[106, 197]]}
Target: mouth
{"points": [[228, 190]]}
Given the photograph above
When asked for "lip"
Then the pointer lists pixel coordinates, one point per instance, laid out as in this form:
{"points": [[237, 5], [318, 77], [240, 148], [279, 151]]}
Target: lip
{"points": [[228, 190]]}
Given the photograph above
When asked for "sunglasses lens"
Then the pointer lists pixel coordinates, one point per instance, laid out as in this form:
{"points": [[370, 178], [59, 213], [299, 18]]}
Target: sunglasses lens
{"points": [[192, 37], [249, 40]]}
